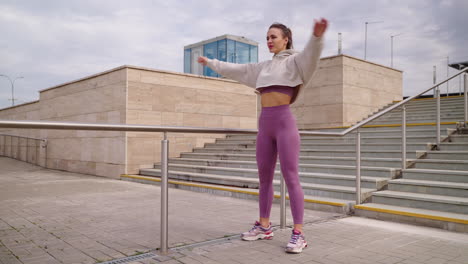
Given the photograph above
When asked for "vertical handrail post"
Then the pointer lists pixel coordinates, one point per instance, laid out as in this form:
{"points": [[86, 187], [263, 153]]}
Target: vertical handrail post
{"points": [[45, 152], [438, 117], [403, 138], [27, 149], [358, 167], [18, 148], [164, 194], [465, 77], [282, 203]]}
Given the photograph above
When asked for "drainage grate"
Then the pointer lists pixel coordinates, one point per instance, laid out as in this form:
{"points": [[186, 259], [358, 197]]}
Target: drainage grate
{"points": [[130, 259]]}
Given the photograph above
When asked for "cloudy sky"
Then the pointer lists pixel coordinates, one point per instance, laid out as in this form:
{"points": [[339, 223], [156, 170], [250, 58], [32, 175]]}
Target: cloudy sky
{"points": [[50, 42]]}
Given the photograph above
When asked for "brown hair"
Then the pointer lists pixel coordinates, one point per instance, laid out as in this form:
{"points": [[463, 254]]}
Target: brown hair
{"points": [[287, 33]]}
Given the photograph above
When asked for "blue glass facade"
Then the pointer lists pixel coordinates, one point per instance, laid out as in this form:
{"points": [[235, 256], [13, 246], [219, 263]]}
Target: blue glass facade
{"points": [[224, 50], [187, 55]]}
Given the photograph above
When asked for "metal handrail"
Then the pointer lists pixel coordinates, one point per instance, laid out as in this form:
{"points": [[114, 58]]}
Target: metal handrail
{"points": [[165, 145]]}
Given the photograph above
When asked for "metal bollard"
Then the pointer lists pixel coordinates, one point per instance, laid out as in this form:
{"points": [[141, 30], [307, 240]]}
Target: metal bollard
{"points": [[438, 117], [282, 203], [164, 195], [358, 167], [465, 76], [403, 138]]}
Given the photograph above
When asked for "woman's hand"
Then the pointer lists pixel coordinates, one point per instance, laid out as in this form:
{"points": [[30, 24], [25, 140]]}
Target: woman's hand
{"points": [[320, 27], [202, 60]]}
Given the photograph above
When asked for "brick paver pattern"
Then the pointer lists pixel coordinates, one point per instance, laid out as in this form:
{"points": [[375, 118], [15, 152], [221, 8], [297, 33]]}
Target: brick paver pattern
{"points": [[49, 216]]}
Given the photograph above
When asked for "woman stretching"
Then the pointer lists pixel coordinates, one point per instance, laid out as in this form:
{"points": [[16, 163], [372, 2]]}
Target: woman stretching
{"points": [[279, 81]]}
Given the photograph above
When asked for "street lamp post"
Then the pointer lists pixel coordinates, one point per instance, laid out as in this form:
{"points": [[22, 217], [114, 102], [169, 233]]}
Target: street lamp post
{"points": [[391, 38], [12, 87], [365, 40]]}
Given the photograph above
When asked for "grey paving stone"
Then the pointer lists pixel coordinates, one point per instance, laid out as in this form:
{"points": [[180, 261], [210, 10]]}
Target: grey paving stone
{"points": [[391, 260], [82, 219]]}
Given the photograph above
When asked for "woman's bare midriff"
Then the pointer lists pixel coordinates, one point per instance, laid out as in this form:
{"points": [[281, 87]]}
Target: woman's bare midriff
{"points": [[275, 99]]}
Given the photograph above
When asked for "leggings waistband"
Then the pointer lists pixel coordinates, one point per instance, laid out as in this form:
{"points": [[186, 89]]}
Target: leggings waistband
{"points": [[275, 110]]}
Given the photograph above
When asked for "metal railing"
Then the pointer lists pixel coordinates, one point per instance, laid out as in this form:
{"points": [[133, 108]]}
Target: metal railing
{"points": [[167, 129], [15, 150]]}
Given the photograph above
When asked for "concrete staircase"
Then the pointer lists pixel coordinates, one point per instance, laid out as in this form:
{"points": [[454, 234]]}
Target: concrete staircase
{"points": [[432, 191]]}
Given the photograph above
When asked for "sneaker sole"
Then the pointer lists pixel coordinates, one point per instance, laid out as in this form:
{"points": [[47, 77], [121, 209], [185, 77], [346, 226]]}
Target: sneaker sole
{"points": [[259, 237], [295, 251]]}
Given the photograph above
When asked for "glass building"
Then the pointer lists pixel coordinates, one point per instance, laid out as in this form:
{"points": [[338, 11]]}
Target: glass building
{"points": [[227, 48]]}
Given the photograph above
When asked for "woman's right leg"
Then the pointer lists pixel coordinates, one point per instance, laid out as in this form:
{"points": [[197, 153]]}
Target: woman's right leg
{"points": [[266, 155]]}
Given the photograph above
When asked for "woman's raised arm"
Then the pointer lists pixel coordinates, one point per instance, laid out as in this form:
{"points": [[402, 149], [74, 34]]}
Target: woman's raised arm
{"points": [[244, 73], [307, 60]]}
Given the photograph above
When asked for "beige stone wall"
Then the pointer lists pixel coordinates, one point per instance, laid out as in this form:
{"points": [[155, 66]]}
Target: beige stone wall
{"points": [[321, 101], [175, 99], [367, 87], [345, 90], [100, 98], [15, 145]]}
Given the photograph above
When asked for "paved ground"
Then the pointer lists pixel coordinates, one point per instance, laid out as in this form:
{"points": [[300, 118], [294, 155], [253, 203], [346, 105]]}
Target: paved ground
{"points": [[49, 216]]}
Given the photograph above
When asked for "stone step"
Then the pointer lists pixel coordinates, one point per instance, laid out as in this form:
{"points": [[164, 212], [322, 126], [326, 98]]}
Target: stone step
{"points": [[435, 175], [440, 164], [351, 161], [419, 121], [382, 133], [410, 109], [323, 190], [458, 189], [457, 146], [447, 155], [424, 217], [442, 203], [396, 126], [310, 202], [426, 110], [306, 176], [364, 139], [432, 102], [414, 119], [328, 153], [249, 169], [343, 146], [423, 115], [459, 138], [333, 145], [430, 107]]}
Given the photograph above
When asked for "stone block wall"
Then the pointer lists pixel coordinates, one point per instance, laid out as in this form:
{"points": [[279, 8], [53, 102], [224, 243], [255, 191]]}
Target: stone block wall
{"points": [[174, 99], [367, 87], [95, 99], [344, 90]]}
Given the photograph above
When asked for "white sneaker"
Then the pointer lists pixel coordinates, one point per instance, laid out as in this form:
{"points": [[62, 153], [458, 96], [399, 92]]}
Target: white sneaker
{"points": [[258, 232], [297, 242]]}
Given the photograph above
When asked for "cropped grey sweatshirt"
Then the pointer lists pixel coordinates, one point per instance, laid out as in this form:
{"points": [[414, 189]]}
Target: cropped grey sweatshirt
{"points": [[288, 67]]}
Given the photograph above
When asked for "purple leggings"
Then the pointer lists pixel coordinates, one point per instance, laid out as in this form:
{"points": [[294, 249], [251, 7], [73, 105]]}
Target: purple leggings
{"points": [[278, 133]]}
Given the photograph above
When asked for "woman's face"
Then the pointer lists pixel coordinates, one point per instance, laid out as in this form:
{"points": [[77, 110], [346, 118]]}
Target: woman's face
{"points": [[275, 40]]}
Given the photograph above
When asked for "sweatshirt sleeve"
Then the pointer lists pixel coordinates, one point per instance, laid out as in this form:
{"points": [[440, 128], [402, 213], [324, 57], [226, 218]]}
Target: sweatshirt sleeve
{"points": [[307, 60], [244, 73]]}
